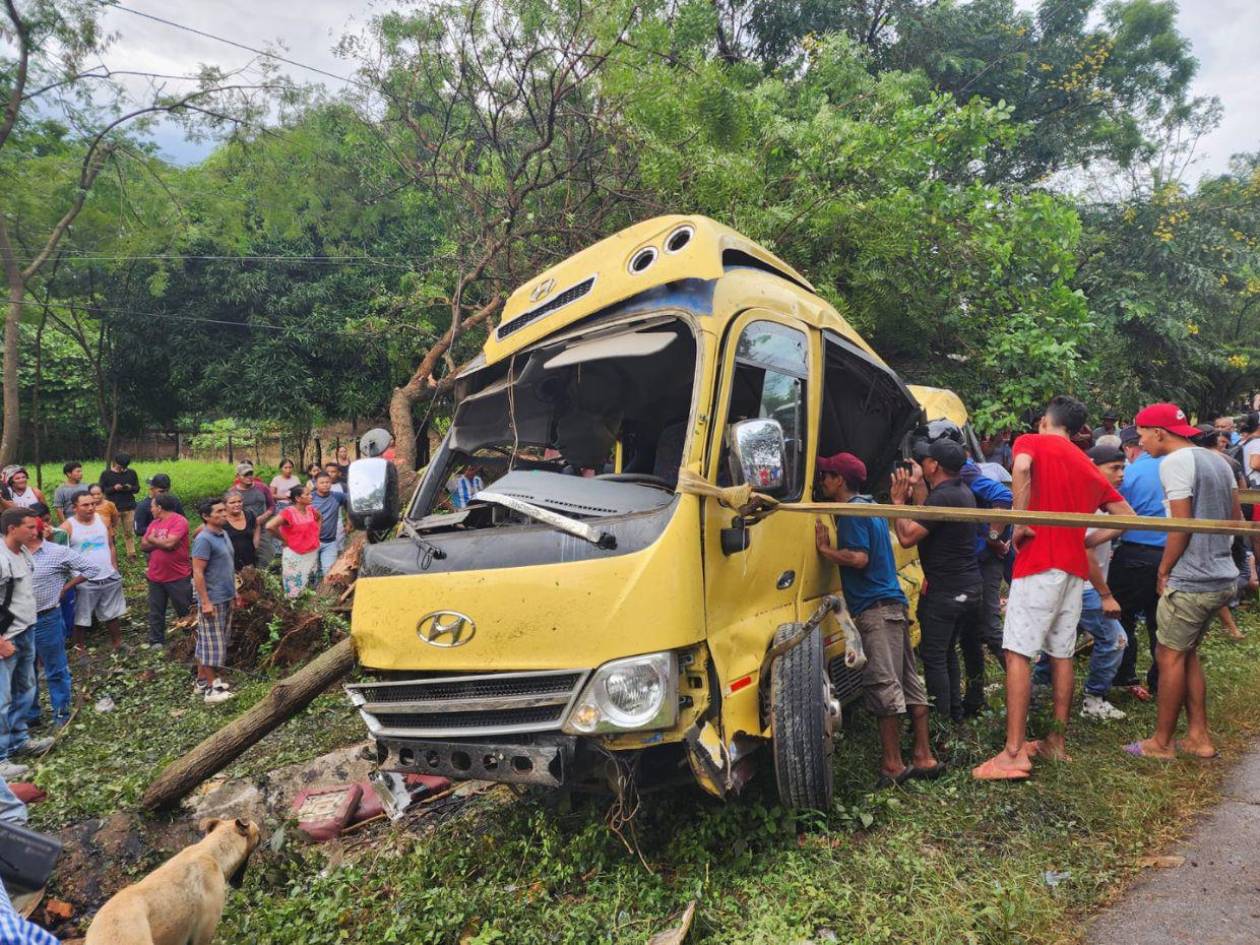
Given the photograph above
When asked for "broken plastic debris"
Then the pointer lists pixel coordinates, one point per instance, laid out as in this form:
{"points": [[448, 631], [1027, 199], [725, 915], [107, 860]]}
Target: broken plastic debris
{"points": [[105, 704], [398, 792], [1053, 878]]}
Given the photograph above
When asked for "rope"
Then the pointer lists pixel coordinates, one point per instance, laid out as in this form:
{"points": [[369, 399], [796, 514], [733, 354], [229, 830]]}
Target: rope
{"points": [[753, 506]]}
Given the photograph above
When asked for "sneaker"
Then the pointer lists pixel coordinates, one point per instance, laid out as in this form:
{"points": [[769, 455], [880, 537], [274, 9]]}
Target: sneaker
{"points": [[215, 696], [35, 746], [219, 691], [12, 771], [1096, 707], [201, 689]]}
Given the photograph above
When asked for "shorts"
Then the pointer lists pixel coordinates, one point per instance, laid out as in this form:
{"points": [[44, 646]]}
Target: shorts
{"points": [[100, 599], [1184, 616], [890, 681], [214, 632], [1042, 611]]}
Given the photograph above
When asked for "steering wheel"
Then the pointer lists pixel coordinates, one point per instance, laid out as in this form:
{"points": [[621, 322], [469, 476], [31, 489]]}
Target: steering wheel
{"points": [[646, 479]]}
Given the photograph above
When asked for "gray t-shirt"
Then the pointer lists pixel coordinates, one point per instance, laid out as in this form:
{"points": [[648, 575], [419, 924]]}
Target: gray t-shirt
{"points": [[1204, 478], [63, 497], [216, 552], [18, 569]]}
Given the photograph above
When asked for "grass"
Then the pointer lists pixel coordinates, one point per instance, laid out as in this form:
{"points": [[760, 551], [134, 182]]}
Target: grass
{"points": [[951, 862], [191, 479]]}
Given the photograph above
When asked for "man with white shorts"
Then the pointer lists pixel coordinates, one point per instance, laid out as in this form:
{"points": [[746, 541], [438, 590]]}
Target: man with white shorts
{"points": [[1050, 474], [102, 599]]}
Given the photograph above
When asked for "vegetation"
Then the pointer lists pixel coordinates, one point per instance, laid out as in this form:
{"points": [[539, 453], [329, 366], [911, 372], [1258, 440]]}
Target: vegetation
{"points": [[1002, 199], [951, 861]]}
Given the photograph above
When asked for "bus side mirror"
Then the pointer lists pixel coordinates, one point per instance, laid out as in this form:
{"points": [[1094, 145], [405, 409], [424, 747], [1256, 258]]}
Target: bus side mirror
{"points": [[373, 485], [757, 452]]}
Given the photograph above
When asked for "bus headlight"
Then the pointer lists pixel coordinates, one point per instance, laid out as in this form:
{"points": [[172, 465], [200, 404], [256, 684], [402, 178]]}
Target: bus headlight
{"points": [[636, 693]]}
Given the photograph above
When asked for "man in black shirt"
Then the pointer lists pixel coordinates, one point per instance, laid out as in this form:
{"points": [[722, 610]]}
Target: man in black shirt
{"points": [[951, 600], [121, 485]]}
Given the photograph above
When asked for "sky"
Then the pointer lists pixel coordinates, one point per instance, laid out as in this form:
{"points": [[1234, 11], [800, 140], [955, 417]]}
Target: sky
{"points": [[1222, 32]]}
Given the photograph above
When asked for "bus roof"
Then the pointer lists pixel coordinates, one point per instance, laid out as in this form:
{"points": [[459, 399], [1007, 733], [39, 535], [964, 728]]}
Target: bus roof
{"points": [[641, 257]]}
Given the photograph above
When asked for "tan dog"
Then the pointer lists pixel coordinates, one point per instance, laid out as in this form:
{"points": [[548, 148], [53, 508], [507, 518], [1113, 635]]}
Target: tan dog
{"points": [[180, 902]]}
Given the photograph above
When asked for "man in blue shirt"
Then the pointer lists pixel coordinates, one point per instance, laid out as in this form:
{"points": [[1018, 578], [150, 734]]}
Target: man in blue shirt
{"points": [[329, 502], [1135, 566], [868, 574]]}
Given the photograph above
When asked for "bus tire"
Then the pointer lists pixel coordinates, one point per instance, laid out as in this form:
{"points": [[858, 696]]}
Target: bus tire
{"points": [[803, 718]]}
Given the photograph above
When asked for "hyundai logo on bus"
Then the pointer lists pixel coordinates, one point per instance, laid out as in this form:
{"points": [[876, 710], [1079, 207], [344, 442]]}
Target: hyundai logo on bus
{"points": [[542, 289], [435, 628]]}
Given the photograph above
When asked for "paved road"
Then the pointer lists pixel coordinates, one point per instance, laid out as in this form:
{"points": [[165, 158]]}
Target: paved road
{"points": [[1211, 899]]}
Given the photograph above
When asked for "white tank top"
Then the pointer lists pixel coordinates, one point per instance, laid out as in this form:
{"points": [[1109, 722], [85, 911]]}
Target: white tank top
{"points": [[24, 500], [92, 541]]}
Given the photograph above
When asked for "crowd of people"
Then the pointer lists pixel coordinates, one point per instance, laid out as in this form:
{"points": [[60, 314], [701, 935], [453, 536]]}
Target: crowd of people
{"points": [[60, 576], [1061, 581]]}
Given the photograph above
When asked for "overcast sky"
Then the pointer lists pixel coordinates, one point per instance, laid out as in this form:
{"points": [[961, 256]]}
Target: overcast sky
{"points": [[1223, 33]]}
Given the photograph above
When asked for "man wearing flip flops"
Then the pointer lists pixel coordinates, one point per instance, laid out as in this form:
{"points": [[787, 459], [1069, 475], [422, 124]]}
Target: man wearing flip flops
{"points": [[891, 687], [1196, 578], [1050, 474]]}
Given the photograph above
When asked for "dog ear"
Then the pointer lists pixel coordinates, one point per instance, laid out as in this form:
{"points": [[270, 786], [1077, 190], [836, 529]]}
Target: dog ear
{"points": [[208, 824], [242, 826]]}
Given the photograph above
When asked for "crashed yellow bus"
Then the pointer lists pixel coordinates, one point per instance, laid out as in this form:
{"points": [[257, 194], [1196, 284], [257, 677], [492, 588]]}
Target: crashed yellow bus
{"points": [[582, 618]]}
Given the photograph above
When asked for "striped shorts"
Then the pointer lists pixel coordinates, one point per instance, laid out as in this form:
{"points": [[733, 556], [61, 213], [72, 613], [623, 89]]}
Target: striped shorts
{"points": [[213, 633]]}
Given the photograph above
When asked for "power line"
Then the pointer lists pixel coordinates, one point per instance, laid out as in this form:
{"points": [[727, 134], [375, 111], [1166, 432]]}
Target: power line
{"points": [[166, 315], [385, 261], [231, 42]]}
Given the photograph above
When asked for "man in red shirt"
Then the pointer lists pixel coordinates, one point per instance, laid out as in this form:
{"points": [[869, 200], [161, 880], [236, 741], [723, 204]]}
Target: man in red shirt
{"points": [[1050, 474]]}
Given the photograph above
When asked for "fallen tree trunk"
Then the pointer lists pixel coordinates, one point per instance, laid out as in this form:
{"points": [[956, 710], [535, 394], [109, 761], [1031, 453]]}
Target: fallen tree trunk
{"points": [[286, 699], [341, 575]]}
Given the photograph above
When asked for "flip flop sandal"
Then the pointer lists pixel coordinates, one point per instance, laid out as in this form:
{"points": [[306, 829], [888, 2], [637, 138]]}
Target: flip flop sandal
{"points": [[1190, 754], [989, 771], [1139, 692], [888, 780], [1135, 749], [927, 774]]}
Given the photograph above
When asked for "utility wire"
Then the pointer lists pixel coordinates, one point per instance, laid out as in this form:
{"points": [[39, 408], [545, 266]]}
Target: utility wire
{"points": [[384, 261], [167, 315], [231, 42]]}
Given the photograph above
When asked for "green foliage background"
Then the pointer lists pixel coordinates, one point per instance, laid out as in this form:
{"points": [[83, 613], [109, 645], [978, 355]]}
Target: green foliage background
{"points": [[1000, 199]]}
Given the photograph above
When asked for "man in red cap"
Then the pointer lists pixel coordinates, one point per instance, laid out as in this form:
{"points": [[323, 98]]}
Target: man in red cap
{"points": [[1196, 577], [868, 571], [1050, 474]]}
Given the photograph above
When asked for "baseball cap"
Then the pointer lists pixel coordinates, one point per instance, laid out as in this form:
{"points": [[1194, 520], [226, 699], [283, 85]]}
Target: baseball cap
{"points": [[1128, 435], [845, 465], [159, 481], [1110, 415], [949, 454], [243, 468], [1168, 417], [1102, 455]]}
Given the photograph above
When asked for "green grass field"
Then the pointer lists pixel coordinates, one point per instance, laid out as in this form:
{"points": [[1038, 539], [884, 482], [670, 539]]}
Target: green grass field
{"points": [[191, 479], [950, 862]]}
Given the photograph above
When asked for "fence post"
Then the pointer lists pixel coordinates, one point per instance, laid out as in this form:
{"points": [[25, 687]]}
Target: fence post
{"points": [[177, 447], [319, 452], [231, 457]]}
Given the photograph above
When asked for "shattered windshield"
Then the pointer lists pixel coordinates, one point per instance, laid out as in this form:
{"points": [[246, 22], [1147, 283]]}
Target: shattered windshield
{"points": [[591, 426]]}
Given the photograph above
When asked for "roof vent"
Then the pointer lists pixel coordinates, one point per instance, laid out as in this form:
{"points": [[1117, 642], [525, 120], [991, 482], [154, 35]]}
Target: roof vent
{"points": [[641, 260], [679, 238], [570, 294]]}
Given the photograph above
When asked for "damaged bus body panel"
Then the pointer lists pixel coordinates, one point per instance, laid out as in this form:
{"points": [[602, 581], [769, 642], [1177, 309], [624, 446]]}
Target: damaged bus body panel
{"points": [[580, 617]]}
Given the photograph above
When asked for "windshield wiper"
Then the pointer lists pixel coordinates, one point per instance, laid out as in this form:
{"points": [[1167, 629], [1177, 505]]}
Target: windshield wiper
{"points": [[557, 521], [429, 550]]}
